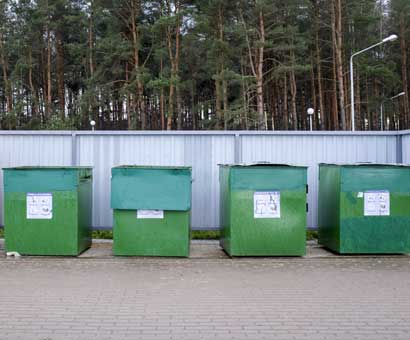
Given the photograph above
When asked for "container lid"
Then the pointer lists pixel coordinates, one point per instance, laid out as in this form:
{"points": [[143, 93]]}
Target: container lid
{"points": [[367, 164], [151, 188], [160, 167], [48, 168], [267, 164]]}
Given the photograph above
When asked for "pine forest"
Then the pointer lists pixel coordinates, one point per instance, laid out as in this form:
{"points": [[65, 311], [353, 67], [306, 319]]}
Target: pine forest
{"points": [[204, 65]]}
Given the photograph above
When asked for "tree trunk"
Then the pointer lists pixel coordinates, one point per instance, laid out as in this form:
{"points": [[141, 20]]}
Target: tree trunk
{"points": [[225, 102], [91, 40], [134, 12], [337, 37], [404, 67], [193, 113], [293, 91], [174, 60], [31, 84], [323, 117], [244, 118], [218, 86], [6, 80], [368, 119], [162, 100], [60, 73], [170, 105], [285, 102], [259, 75], [218, 101], [335, 110], [313, 92], [179, 108], [49, 84], [358, 101], [128, 108]]}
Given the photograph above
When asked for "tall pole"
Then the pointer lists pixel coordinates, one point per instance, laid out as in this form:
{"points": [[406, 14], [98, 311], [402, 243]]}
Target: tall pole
{"points": [[310, 111], [352, 93], [382, 108], [389, 38]]}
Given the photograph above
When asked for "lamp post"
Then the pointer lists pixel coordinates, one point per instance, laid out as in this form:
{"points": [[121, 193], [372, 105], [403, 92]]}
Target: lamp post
{"points": [[310, 113], [389, 38], [382, 107], [92, 123]]}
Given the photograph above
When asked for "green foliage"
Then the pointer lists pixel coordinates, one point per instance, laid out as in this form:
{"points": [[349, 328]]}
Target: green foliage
{"points": [[55, 122], [102, 234], [8, 121], [205, 234], [93, 57], [312, 235]]}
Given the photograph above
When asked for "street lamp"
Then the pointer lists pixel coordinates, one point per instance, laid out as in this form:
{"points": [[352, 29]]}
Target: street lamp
{"points": [[389, 38], [381, 107], [310, 113], [92, 123]]}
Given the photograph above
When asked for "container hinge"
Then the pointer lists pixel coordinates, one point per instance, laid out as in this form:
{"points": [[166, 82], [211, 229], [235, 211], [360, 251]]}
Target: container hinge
{"points": [[307, 188], [307, 207]]}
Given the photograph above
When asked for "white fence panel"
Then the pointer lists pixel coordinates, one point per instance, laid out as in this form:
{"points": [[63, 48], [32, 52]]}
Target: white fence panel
{"points": [[32, 150], [314, 149], [202, 150]]}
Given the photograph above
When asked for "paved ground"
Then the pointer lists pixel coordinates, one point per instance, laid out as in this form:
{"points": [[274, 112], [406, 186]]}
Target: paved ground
{"points": [[209, 296]]}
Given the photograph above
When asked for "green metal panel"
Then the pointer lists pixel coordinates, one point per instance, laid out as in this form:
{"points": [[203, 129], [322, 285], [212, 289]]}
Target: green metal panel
{"points": [[225, 209], [356, 231], [328, 207], [68, 230], [244, 234], [43, 179], [169, 236], [165, 188]]}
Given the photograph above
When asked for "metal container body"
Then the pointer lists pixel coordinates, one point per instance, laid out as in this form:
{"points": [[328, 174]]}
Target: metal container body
{"points": [[48, 210], [152, 210], [263, 210], [364, 209], [169, 236]]}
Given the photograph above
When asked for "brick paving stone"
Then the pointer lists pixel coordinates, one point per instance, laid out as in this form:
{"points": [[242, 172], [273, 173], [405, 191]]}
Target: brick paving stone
{"points": [[209, 297]]}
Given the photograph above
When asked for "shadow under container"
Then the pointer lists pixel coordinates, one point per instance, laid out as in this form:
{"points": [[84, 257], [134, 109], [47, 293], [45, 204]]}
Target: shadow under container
{"points": [[263, 209], [47, 210], [152, 210], [364, 208]]}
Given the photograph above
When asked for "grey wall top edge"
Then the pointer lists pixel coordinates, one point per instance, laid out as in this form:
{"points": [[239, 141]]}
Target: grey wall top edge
{"points": [[403, 132], [199, 133]]}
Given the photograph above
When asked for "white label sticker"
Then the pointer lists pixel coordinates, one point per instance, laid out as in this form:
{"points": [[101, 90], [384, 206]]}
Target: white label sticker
{"points": [[150, 213], [266, 204], [39, 206], [377, 203]]}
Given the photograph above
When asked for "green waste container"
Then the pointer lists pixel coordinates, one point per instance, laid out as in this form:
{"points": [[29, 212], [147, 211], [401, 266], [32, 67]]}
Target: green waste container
{"points": [[263, 209], [47, 210], [364, 208], [152, 210]]}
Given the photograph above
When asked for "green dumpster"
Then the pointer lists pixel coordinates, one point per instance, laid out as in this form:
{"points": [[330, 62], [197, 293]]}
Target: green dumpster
{"points": [[364, 208], [263, 209], [47, 210], [152, 210]]}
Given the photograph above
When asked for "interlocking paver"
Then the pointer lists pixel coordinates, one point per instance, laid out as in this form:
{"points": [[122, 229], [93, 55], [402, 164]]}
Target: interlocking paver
{"points": [[209, 296]]}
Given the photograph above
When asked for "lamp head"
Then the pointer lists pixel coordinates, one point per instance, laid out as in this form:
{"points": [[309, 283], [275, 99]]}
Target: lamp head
{"points": [[92, 123], [390, 38], [310, 111]]}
